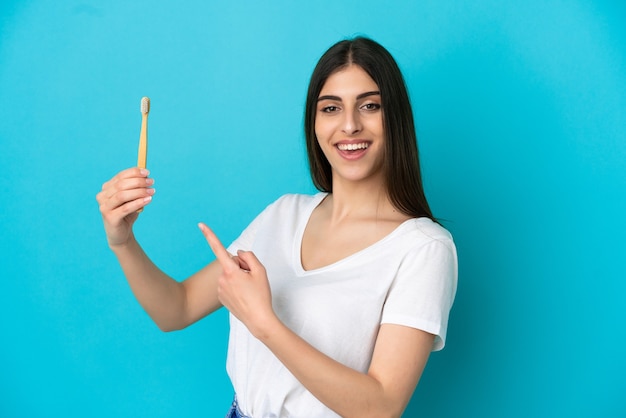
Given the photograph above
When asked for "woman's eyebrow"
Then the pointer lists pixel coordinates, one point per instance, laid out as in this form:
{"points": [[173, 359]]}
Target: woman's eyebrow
{"points": [[367, 94], [359, 97], [327, 97]]}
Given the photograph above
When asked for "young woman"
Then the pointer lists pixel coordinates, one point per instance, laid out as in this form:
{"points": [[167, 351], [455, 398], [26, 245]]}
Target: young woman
{"points": [[336, 299]]}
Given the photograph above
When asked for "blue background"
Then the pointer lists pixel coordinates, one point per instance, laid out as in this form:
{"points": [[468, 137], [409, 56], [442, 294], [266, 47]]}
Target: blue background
{"points": [[521, 118]]}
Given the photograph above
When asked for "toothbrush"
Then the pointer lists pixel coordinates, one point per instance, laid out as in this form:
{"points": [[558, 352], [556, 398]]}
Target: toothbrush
{"points": [[143, 136], [142, 155]]}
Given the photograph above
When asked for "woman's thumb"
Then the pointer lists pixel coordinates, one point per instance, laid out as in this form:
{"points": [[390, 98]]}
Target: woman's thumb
{"points": [[248, 261]]}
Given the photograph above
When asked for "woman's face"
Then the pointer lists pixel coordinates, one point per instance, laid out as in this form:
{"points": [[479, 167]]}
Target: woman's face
{"points": [[349, 125]]}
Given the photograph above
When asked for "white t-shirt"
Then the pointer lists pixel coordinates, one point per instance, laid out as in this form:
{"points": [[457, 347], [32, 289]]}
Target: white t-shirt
{"points": [[407, 278]]}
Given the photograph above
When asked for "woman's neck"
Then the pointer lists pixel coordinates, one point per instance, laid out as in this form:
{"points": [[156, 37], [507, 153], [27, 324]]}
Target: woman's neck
{"points": [[362, 200]]}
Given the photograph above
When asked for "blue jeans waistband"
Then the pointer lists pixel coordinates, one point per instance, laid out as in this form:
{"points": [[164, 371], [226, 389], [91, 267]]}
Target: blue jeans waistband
{"points": [[234, 411]]}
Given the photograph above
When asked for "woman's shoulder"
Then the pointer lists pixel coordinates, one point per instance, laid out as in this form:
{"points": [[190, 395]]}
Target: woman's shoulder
{"points": [[426, 230]]}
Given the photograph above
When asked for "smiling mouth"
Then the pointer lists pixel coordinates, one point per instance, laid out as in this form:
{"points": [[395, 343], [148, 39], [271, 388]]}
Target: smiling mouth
{"points": [[353, 147]]}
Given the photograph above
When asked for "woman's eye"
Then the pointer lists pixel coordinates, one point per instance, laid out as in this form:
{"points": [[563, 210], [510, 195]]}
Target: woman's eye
{"points": [[329, 109], [371, 106]]}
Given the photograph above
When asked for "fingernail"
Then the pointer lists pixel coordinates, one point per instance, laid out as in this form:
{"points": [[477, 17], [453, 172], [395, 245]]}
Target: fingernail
{"points": [[151, 191], [149, 181], [144, 172], [147, 198]]}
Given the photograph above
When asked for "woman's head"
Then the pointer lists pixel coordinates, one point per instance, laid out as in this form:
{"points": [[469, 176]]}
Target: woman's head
{"points": [[401, 166]]}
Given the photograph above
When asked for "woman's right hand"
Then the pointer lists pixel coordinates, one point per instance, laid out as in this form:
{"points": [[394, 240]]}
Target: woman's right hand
{"points": [[120, 199]]}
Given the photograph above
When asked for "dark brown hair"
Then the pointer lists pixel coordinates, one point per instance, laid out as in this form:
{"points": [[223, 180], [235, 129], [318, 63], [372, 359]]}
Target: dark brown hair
{"points": [[401, 167]]}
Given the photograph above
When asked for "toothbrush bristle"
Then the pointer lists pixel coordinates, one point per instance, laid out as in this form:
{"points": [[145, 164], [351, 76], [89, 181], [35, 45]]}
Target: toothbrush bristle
{"points": [[145, 105]]}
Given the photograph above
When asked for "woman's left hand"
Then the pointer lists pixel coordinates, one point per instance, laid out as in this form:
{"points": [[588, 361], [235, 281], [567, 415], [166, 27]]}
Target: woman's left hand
{"points": [[243, 287]]}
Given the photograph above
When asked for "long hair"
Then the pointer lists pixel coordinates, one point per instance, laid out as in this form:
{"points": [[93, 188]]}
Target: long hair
{"points": [[401, 160]]}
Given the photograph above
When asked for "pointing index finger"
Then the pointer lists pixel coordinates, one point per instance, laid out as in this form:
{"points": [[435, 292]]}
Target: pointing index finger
{"points": [[216, 246]]}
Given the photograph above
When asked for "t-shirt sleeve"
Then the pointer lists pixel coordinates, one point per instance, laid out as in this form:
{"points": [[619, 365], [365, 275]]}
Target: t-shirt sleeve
{"points": [[246, 238], [423, 290]]}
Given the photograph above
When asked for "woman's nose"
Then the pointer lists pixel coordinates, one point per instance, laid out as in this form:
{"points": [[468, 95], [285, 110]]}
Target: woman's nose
{"points": [[351, 123]]}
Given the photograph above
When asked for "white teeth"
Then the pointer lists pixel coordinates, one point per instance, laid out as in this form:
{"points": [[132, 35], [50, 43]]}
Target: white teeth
{"points": [[352, 147]]}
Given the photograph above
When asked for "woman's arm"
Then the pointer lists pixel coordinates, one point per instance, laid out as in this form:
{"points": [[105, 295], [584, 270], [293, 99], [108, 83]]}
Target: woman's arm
{"points": [[400, 353], [172, 305]]}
